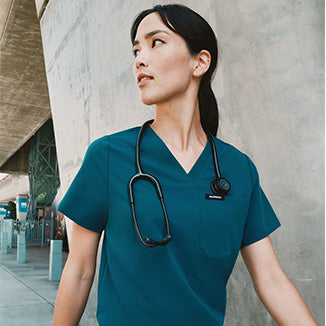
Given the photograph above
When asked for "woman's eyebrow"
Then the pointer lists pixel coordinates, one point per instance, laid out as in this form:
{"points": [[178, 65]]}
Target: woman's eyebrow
{"points": [[150, 34]]}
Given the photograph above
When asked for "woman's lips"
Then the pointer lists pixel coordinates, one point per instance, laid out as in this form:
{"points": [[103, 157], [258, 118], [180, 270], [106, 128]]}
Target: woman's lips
{"points": [[143, 79]]}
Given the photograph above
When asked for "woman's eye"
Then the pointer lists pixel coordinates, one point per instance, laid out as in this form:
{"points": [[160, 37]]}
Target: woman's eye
{"points": [[156, 42]]}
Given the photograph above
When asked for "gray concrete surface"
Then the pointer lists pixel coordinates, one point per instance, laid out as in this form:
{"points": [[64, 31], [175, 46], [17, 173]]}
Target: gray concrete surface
{"points": [[270, 90], [24, 100], [27, 297]]}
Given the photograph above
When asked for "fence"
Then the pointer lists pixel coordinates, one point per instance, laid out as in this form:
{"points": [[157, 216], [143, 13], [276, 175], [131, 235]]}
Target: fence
{"points": [[37, 233]]}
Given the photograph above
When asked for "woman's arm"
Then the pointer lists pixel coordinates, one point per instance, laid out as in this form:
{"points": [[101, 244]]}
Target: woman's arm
{"points": [[276, 292], [77, 277]]}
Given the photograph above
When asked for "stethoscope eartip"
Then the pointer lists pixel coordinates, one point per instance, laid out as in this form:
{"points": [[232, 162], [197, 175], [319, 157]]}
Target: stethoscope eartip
{"points": [[152, 243], [166, 240], [149, 241]]}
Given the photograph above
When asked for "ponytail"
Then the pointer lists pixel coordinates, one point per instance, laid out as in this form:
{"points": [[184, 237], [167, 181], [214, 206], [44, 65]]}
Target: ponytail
{"points": [[209, 115]]}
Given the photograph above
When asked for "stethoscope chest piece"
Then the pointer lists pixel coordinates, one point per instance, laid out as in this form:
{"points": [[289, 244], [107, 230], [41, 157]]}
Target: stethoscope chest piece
{"points": [[220, 186]]}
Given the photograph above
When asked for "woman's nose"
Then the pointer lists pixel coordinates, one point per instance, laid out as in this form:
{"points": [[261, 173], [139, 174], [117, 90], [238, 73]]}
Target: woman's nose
{"points": [[141, 60]]}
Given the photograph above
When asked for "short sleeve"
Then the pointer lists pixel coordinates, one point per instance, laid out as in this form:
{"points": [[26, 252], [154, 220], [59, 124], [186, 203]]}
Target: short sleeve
{"points": [[85, 201], [261, 219]]}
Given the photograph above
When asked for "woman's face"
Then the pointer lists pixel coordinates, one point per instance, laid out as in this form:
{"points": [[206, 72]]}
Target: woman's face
{"points": [[163, 66]]}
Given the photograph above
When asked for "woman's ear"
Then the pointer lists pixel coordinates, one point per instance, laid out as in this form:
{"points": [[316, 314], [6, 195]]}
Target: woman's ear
{"points": [[202, 63]]}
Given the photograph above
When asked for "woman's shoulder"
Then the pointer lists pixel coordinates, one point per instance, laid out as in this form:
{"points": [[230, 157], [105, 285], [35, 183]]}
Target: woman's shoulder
{"points": [[226, 148], [125, 135], [117, 138], [236, 155]]}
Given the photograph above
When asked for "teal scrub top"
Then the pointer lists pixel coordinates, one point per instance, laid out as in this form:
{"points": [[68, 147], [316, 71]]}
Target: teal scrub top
{"points": [[183, 283]]}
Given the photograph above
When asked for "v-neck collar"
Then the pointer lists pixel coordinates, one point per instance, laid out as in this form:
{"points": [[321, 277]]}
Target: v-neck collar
{"points": [[170, 161]]}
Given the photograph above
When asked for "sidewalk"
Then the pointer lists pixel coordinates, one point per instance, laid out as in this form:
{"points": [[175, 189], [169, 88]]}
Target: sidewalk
{"points": [[27, 296]]}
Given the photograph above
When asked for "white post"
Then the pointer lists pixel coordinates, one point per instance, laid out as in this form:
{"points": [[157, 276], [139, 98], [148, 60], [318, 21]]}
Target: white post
{"points": [[4, 242], [55, 268], [21, 248]]}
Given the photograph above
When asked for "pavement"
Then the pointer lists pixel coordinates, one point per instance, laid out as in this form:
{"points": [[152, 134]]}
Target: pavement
{"points": [[27, 297]]}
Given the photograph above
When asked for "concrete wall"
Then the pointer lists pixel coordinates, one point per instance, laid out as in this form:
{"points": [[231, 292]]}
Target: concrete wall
{"points": [[269, 87]]}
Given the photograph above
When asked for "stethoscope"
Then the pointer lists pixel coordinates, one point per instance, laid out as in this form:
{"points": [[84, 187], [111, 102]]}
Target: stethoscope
{"points": [[219, 186]]}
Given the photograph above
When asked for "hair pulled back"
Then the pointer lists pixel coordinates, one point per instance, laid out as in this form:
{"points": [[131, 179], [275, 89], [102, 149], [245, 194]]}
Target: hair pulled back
{"points": [[198, 36]]}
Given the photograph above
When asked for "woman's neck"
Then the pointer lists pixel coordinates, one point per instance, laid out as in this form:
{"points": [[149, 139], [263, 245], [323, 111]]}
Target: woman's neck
{"points": [[178, 124]]}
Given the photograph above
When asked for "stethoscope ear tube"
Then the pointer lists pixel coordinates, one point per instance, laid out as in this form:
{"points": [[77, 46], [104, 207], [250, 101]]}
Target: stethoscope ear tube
{"points": [[140, 135], [219, 186]]}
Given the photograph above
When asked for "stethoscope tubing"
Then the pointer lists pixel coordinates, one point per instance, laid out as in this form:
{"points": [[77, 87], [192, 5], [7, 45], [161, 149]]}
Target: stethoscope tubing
{"points": [[158, 189], [219, 186]]}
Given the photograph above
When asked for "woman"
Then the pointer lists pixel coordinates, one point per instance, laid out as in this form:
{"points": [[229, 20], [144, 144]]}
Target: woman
{"points": [[168, 260]]}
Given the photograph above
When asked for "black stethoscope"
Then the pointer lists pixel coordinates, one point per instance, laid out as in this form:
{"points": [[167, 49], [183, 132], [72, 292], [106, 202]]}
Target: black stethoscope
{"points": [[219, 187]]}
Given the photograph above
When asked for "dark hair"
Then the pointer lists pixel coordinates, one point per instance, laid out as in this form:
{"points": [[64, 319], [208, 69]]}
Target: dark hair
{"points": [[198, 36]]}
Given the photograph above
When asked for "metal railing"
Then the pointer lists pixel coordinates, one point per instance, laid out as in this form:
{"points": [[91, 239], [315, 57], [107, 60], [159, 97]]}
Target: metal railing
{"points": [[37, 233]]}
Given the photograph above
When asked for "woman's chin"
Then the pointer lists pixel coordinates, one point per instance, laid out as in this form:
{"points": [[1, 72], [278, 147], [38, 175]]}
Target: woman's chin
{"points": [[154, 99], [148, 100]]}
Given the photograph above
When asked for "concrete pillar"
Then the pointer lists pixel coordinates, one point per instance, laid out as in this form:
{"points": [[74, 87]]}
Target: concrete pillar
{"points": [[21, 248], [55, 268], [4, 242]]}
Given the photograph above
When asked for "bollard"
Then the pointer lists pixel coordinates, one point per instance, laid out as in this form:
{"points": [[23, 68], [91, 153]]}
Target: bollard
{"points": [[55, 268], [4, 242], [21, 248], [51, 229], [43, 233], [10, 232], [8, 227]]}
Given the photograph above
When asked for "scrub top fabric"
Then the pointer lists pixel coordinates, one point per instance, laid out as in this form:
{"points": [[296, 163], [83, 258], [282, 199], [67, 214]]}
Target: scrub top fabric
{"points": [[183, 283]]}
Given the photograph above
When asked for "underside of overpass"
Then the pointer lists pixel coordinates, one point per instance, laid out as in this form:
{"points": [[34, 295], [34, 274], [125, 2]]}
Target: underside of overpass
{"points": [[24, 100], [27, 145]]}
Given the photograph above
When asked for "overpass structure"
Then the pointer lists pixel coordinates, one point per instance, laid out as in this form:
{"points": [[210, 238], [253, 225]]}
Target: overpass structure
{"points": [[24, 104]]}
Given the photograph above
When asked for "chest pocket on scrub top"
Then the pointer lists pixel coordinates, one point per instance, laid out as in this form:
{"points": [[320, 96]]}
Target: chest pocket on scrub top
{"points": [[221, 225]]}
